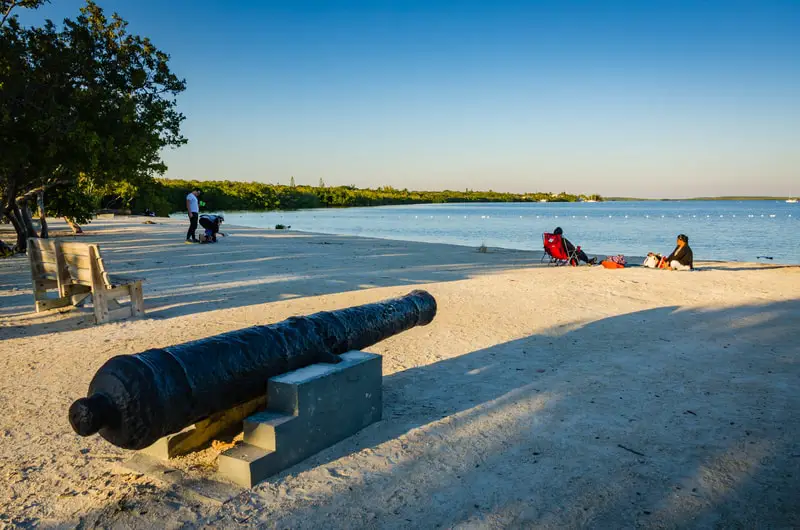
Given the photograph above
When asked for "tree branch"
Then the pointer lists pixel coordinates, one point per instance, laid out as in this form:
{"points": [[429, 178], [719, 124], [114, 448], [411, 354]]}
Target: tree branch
{"points": [[32, 193], [9, 6], [7, 12]]}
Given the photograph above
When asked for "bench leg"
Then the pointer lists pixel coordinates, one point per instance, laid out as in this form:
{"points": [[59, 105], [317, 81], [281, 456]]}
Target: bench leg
{"points": [[107, 308], [42, 303], [100, 302], [137, 300], [38, 295]]}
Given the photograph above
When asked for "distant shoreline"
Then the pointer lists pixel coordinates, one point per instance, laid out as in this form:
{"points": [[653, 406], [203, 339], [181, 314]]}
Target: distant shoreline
{"points": [[722, 198], [486, 203]]}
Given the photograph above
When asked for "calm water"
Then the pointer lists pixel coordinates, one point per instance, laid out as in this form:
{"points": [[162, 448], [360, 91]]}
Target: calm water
{"points": [[721, 230]]}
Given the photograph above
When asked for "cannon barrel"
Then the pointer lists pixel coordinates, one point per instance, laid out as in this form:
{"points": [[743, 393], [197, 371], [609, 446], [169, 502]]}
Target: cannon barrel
{"points": [[134, 400]]}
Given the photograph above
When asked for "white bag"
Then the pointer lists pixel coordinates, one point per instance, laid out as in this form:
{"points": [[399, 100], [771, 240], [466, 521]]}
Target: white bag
{"points": [[651, 261]]}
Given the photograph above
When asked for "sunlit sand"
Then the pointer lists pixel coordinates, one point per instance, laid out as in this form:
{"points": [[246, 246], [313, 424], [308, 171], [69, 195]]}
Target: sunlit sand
{"points": [[538, 396]]}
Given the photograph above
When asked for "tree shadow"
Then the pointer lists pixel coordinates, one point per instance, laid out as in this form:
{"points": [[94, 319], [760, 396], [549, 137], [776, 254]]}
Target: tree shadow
{"points": [[666, 417], [251, 267]]}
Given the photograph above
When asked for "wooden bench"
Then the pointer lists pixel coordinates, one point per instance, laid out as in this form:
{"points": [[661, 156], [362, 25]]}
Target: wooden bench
{"points": [[77, 272]]}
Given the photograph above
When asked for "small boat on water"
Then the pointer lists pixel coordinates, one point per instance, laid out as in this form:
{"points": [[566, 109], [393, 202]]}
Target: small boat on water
{"points": [[791, 201]]}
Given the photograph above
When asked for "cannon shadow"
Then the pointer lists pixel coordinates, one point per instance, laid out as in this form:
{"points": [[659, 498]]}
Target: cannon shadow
{"points": [[604, 425]]}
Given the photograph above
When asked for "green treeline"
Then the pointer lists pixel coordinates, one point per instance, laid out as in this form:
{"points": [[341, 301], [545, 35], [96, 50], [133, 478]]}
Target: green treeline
{"points": [[165, 196]]}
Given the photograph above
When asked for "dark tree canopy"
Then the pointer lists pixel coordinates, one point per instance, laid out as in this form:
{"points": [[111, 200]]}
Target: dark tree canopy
{"points": [[83, 106]]}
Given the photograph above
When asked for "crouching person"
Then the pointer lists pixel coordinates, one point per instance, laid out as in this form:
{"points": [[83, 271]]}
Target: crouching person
{"points": [[211, 223]]}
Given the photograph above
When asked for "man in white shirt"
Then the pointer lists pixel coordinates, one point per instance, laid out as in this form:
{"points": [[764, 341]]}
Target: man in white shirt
{"points": [[193, 206]]}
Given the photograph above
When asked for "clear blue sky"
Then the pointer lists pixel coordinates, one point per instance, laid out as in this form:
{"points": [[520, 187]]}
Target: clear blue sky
{"points": [[638, 98]]}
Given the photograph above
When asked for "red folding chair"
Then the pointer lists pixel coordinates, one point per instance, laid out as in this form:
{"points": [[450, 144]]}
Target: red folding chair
{"points": [[556, 250]]}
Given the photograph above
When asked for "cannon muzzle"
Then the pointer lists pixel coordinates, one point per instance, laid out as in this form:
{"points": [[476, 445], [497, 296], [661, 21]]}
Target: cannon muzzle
{"points": [[134, 400]]}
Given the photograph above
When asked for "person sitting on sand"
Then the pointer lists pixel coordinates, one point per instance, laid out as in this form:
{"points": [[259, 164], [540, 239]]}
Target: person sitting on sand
{"points": [[571, 248], [681, 258]]}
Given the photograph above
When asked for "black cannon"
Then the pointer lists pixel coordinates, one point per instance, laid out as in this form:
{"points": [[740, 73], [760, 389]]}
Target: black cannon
{"points": [[136, 399]]}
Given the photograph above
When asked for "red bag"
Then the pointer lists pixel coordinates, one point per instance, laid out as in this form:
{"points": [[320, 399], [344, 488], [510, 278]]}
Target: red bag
{"points": [[608, 264]]}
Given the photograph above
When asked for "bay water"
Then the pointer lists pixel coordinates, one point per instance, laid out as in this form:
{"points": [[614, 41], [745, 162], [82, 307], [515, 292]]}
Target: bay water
{"points": [[751, 231]]}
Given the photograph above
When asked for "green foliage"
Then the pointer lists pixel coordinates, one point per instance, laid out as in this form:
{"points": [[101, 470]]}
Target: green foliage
{"points": [[74, 202], [232, 195], [151, 197], [85, 110]]}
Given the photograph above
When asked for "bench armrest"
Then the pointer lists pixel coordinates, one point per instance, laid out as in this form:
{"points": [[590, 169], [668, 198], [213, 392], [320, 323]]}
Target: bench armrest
{"points": [[116, 280]]}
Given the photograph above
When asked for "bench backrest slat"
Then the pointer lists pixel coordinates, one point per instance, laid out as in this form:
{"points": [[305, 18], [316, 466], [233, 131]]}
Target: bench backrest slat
{"points": [[47, 264], [45, 268], [43, 254], [74, 249], [80, 275], [79, 263]]}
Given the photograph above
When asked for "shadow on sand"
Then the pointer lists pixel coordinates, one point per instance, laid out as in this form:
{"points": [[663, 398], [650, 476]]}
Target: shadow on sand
{"points": [[738, 267], [609, 425], [255, 266]]}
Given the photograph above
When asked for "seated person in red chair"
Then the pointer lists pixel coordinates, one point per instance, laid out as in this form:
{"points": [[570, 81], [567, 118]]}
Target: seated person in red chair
{"points": [[581, 255]]}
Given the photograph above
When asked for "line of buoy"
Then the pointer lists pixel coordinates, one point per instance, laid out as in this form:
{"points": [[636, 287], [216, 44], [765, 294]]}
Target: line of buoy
{"points": [[646, 216]]}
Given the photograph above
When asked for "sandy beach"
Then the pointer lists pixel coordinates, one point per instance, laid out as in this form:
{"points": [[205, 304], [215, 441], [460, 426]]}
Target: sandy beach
{"points": [[539, 397]]}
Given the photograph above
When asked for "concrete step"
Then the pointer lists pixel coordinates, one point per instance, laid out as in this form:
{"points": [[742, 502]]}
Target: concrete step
{"points": [[245, 464], [309, 410], [268, 428]]}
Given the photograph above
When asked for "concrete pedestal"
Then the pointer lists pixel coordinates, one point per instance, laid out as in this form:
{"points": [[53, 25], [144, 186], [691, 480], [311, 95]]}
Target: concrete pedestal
{"points": [[307, 411], [304, 412]]}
